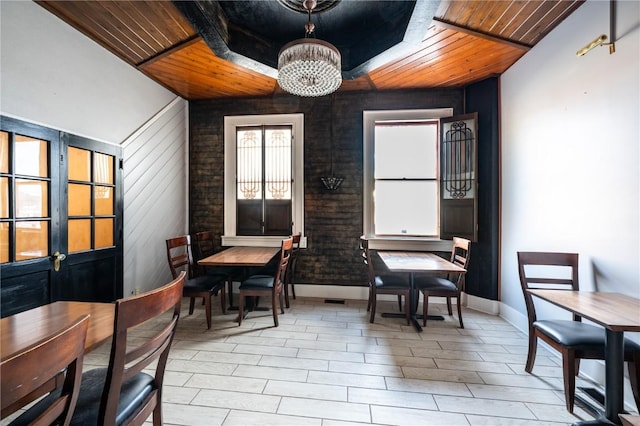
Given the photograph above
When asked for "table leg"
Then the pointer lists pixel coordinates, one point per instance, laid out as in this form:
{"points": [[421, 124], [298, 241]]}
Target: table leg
{"points": [[613, 386], [614, 362], [230, 295], [413, 304], [413, 307]]}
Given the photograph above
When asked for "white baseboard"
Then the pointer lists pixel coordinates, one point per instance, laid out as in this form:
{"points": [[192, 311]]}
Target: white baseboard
{"points": [[332, 291], [487, 306], [491, 307], [327, 291]]}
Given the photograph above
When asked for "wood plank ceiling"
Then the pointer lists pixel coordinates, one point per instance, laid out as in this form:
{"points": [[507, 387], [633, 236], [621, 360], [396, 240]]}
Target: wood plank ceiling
{"points": [[467, 41]]}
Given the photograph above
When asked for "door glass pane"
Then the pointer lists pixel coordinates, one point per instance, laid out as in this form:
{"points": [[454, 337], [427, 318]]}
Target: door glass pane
{"points": [[4, 152], [278, 164], [31, 198], [249, 167], [4, 242], [31, 156], [79, 164], [104, 233], [79, 235], [4, 197], [102, 168], [32, 239], [79, 200], [103, 199]]}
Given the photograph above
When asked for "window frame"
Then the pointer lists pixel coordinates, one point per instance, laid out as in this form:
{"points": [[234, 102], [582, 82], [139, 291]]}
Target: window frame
{"points": [[368, 127], [230, 237]]}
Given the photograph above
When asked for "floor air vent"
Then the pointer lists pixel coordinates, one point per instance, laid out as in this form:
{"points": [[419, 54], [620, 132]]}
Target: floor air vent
{"points": [[334, 301]]}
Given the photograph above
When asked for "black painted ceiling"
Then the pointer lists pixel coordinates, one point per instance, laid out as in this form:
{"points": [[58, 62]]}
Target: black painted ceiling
{"points": [[251, 33]]}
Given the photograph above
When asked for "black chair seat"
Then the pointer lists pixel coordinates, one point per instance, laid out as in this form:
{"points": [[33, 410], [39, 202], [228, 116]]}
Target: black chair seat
{"points": [[225, 271], [133, 391], [270, 268], [434, 283], [204, 283], [579, 336], [391, 281], [257, 282]]}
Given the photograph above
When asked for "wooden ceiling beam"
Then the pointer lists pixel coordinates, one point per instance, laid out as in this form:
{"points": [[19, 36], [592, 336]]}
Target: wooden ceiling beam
{"points": [[176, 47], [450, 26]]}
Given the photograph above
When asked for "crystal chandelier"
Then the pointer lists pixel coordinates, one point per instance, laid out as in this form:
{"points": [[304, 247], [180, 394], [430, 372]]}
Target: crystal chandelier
{"points": [[308, 66]]}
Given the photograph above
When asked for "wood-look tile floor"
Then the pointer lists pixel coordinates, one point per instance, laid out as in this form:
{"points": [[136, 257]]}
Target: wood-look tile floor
{"points": [[326, 365]]}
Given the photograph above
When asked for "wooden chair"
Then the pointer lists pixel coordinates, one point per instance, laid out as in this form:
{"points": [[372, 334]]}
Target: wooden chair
{"points": [[205, 246], [268, 285], [123, 393], [180, 258], [449, 287], [291, 270], [394, 284], [572, 338], [37, 372]]}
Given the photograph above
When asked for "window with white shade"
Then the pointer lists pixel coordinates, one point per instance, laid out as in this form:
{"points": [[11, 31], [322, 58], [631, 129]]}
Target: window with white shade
{"points": [[402, 181], [406, 178]]}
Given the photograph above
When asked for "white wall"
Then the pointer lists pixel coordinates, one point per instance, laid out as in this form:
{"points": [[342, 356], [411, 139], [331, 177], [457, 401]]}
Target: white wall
{"points": [[155, 173], [570, 157], [51, 74]]}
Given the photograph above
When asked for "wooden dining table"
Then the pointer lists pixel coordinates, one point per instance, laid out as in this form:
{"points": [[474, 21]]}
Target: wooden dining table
{"points": [[413, 262], [615, 312], [240, 257], [20, 331]]}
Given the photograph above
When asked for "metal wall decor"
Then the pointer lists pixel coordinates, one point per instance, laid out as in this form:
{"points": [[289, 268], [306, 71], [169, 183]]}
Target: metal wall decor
{"points": [[458, 160]]}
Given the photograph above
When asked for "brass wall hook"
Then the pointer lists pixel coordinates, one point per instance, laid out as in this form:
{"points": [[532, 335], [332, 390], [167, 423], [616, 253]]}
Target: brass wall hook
{"points": [[600, 41]]}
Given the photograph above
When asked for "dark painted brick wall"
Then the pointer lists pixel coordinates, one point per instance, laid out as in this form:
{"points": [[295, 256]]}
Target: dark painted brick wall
{"points": [[333, 220]]}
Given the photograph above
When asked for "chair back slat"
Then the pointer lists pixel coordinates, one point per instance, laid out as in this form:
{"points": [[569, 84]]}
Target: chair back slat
{"points": [[34, 372], [293, 260], [460, 254], [205, 245], [550, 271], [180, 256], [366, 258], [558, 283], [285, 255]]}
